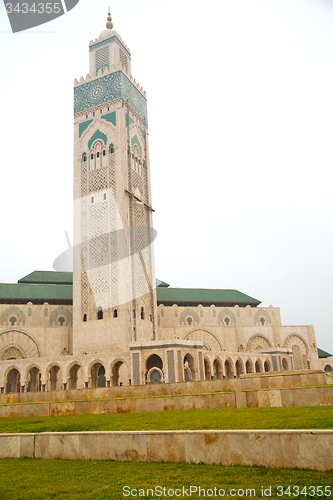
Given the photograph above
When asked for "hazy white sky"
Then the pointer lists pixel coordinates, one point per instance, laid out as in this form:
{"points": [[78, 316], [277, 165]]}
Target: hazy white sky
{"points": [[240, 105]]}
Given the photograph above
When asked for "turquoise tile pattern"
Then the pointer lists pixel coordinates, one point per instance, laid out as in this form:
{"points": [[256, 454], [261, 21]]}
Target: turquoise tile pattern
{"points": [[110, 117], [83, 126], [106, 89], [97, 135]]}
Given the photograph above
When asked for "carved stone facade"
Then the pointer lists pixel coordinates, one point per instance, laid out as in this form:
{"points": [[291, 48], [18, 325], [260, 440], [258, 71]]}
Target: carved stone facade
{"points": [[106, 324]]}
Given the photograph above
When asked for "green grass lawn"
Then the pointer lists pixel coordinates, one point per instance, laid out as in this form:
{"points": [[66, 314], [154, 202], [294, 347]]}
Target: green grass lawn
{"points": [[29, 479], [312, 417]]}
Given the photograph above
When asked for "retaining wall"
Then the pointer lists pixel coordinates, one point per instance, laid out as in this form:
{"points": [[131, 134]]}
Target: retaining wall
{"points": [[293, 396], [270, 448], [254, 382]]}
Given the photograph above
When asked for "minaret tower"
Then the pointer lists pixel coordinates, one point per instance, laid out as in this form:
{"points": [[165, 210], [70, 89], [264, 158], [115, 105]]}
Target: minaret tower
{"points": [[114, 277]]}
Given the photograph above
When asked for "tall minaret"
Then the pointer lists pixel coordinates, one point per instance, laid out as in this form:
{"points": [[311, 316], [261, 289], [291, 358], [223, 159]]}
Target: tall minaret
{"points": [[114, 276]]}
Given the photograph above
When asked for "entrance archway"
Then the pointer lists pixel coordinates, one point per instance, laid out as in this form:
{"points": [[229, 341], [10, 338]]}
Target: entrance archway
{"points": [[189, 368], [34, 380], [54, 379], [239, 367], [217, 369], [284, 364], [267, 366], [258, 366], [228, 369], [74, 374], [98, 378], [13, 381], [155, 376], [249, 366], [118, 374]]}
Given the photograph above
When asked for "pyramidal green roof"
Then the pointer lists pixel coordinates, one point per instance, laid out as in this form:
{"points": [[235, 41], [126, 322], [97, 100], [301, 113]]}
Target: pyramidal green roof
{"points": [[160, 283], [48, 277], [204, 296], [323, 354]]}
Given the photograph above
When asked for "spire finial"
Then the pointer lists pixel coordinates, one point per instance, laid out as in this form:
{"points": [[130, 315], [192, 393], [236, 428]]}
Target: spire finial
{"points": [[109, 24]]}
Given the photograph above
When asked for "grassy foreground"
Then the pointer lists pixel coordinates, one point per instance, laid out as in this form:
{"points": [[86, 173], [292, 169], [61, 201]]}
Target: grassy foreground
{"points": [[312, 417], [29, 479]]}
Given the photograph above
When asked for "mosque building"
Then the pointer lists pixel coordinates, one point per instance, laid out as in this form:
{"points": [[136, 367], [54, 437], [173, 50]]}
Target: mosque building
{"points": [[111, 322]]}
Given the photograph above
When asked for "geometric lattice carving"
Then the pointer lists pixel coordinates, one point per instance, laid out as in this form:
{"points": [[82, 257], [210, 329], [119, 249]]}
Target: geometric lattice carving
{"points": [[123, 58], [136, 368], [102, 58], [258, 342], [180, 366], [171, 366]]}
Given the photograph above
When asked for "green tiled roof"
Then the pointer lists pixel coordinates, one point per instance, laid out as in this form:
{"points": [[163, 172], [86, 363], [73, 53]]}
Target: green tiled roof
{"points": [[52, 285], [323, 354], [48, 277], [35, 291], [160, 283], [204, 296]]}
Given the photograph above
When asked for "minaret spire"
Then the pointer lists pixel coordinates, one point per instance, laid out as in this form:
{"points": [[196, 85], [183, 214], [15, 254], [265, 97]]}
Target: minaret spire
{"points": [[109, 24]]}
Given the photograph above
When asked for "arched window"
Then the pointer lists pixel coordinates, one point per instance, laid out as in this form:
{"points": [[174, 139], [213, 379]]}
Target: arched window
{"points": [[115, 313], [61, 320], [142, 313], [111, 148], [84, 156], [100, 313], [84, 317]]}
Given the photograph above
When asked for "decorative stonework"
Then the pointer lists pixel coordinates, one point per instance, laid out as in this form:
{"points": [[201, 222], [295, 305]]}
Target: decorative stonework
{"points": [[108, 88], [210, 340], [102, 58], [12, 351], [226, 318], [14, 312], [258, 342], [97, 135], [22, 340], [262, 318], [189, 317], [108, 40], [61, 312]]}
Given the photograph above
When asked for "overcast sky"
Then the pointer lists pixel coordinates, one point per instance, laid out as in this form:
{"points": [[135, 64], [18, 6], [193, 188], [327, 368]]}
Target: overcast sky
{"points": [[240, 106]]}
